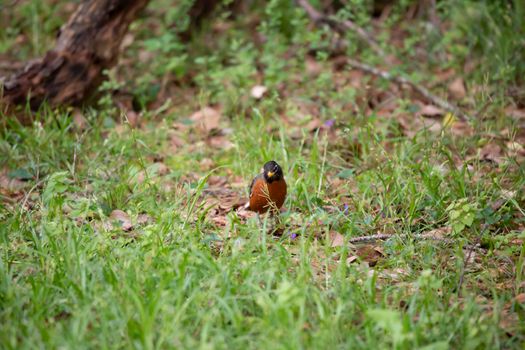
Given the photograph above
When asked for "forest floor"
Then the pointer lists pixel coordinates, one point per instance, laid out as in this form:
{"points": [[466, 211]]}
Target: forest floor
{"points": [[121, 223]]}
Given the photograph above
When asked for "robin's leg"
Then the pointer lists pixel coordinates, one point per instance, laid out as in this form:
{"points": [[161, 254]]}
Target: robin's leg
{"points": [[278, 223], [265, 222]]}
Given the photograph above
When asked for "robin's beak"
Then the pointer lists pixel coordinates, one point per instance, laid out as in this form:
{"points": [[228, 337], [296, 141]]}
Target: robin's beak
{"points": [[270, 173]]}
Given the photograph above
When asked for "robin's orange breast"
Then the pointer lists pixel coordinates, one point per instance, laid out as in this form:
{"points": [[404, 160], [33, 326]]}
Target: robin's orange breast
{"points": [[267, 195]]}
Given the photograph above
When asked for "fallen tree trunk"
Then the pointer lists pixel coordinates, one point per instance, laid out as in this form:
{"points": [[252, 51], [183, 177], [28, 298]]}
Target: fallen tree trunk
{"points": [[86, 46]]}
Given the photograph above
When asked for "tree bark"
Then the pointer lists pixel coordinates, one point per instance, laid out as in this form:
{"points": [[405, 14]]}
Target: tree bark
{"points": [[86, 46]]}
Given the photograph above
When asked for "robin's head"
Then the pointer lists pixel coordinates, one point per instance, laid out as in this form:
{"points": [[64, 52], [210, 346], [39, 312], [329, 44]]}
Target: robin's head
{"points": [[272, 172]]}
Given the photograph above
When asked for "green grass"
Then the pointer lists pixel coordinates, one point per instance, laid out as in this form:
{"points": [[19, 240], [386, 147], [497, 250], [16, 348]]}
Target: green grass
{"points": [[71, 277], [69, 281]]}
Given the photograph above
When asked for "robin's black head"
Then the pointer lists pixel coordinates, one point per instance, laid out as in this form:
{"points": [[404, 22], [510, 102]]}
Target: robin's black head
{"points": [[272, 172]]}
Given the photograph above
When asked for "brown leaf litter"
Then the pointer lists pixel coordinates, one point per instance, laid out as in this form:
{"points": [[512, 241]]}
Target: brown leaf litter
{"points": [[457, 89], [10, 186], [369, 253], [336, 239], [206, 119], [154, 170], [258, 91], [122, 218], [219, 199]]}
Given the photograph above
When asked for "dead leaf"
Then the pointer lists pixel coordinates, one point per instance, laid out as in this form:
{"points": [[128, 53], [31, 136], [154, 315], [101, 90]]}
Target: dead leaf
{"points": [[313, 124], [438, 233], [461, 128], [127, 41], [457, 89], [123, 218], [516, 148], [470, 66], [217, 181], [161, 169], [258, 91], [146, 56], [351, 259], [393, 274], [11, 185], [143, 219], [411, 126], [508, 321], [220, 221], [175, 141], [514, 112], [507, 194], [336, 239], [79, 120], [313, 67], [206, 119], [221, 26], [220, 142], [491, 152], [456, 126], [356, 77], [431, 125], [238, 182], [369, 253], [520, 298], [233, 202], [444, 75], [125, 104], [133, 118], [206, 164], [154, 170], [243, 213], [379, 250], [430, 111]]}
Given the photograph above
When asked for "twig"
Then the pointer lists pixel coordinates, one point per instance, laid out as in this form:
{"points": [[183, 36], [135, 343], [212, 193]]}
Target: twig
{"points": [[438, 101], [340, 26], [464, 268], [420, 237], [371, 238]]}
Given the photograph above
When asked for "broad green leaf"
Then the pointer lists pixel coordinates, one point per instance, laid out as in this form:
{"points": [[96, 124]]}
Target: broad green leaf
{"points": [[345, 173]]}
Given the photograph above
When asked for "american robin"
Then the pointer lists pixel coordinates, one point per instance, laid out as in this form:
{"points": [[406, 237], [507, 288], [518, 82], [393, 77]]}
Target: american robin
{"points": [[268, 189]]}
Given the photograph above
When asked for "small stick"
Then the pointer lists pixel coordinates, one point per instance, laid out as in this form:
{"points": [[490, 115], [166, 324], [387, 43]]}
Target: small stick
{"points": [[438, 101], [371, 238], [464, 268], [422, 237]]}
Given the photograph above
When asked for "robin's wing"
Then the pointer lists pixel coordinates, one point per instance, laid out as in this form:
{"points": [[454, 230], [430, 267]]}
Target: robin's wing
{"points": [[253, 183]]}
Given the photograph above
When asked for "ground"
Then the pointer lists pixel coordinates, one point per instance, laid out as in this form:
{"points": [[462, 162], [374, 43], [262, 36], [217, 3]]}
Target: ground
{"points": [[121, 224]]}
